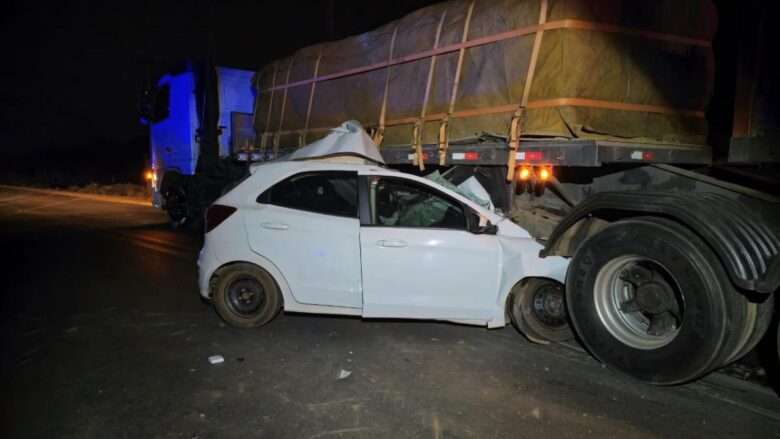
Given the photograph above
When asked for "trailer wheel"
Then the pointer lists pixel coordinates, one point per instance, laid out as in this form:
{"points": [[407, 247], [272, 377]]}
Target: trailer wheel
{"points": [[246, 296], [648, 297], [538, 311], [757, 324]]}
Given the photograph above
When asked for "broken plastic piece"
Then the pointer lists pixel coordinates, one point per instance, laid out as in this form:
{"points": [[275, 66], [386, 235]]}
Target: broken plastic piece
{"points": [[343, 374]]}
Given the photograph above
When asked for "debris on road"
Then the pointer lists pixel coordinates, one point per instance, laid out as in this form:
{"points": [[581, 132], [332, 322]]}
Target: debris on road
{"points": [[344, 374], [216, 359]]}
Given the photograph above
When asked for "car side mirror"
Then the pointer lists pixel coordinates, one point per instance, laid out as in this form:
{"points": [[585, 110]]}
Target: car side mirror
{"points": [[487, 228]]}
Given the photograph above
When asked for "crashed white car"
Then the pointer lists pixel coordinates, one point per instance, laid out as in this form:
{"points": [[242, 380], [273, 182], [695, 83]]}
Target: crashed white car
{"points": [[331, 231]]}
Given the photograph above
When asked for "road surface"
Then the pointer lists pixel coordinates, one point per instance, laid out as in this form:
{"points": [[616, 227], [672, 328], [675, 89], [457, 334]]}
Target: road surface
{"points": [[104, 336]]}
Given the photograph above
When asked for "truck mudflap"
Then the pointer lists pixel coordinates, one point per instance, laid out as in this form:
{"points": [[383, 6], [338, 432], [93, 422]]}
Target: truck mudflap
{"points": [[743, 242]]}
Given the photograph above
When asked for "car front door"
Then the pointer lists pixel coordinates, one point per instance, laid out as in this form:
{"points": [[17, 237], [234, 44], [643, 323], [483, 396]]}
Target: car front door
{"points": [[419, 259], [307, 226]]}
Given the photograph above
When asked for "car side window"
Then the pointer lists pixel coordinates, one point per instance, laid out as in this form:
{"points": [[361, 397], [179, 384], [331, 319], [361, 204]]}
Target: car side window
{"points": [[325, 192], [398, 202]]}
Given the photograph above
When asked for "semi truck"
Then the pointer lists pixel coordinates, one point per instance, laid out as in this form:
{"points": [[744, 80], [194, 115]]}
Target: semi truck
{"points": [[598, 126], [587, 122], [201, 136]]}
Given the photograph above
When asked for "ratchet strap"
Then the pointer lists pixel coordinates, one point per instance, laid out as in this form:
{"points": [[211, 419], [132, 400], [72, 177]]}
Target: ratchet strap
{"points": [[444, 125], [311, 100], [517, 117], [379, 133], [281, 113], [419, 158], [264, 136]]}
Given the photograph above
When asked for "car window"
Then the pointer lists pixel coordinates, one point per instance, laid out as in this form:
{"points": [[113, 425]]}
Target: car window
{"points": [[329, 193], [397, 202]]}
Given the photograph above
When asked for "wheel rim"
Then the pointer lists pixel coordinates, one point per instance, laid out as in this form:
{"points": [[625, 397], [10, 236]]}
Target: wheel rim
{"points": [[639, 302], [547, 307], [245, 296]]}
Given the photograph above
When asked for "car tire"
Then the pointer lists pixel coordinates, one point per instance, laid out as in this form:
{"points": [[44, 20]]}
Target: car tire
{"points": [[538, 311], [246, 296], [689, 319]]}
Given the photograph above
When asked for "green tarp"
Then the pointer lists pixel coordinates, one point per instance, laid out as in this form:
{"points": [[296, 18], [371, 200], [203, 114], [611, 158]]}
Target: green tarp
{"points": [[652, 55]]}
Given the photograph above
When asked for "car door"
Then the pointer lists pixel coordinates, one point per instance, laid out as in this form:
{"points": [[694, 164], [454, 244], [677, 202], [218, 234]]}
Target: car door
{"points": [[419, 259], [307, 225]]}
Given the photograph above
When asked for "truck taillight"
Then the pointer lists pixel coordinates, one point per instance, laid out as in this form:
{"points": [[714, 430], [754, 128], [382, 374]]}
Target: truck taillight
{"points": [[216, 214]]}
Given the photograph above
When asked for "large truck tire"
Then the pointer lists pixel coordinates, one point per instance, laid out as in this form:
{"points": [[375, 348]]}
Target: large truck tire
{"points": [[648, 297], [173, 190], [759, 321]]}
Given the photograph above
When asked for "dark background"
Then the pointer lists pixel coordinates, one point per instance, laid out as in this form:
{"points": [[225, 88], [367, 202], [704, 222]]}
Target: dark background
{"points": [[72, 72]]}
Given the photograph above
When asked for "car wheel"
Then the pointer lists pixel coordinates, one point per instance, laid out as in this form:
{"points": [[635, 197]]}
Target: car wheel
{"points": [[538, 311], [246, 296], [648, 297]]}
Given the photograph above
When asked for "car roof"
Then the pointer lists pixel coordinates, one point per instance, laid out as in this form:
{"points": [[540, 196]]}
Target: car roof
{"points": [[323, 165]]}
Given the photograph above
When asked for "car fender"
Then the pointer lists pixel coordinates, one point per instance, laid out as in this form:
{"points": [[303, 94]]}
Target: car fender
{"points": [[262, 262], [520, 260]]}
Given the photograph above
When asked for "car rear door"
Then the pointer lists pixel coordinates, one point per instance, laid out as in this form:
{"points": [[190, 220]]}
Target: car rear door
{"points": [[418, 258], [307, 225]]}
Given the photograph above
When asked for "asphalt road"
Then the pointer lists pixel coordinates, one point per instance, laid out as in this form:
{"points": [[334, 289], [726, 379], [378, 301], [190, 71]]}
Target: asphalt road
{"points": [[104, 336]]}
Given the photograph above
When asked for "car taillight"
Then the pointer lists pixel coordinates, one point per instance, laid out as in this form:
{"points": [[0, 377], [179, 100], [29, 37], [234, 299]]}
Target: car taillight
{"points": [[216, 214]]}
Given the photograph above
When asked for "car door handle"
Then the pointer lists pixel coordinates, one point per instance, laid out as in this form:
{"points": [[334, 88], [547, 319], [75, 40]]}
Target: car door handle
{"points": [[391, 244], [275, 226]]}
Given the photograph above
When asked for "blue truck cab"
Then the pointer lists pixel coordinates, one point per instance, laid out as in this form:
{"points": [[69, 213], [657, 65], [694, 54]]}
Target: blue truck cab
{"points": [[175, 132]]}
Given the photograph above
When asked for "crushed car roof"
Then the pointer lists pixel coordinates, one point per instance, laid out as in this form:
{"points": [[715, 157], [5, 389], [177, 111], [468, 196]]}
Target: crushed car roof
{"points": [[347, 140]]}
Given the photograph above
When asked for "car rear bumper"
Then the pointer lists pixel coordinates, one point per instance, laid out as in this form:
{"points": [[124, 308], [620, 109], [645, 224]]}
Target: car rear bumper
{"points": [[207, 264]]}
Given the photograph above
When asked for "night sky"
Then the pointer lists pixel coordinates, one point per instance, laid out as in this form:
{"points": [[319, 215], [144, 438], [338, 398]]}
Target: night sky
{"points": [[72, 71]]}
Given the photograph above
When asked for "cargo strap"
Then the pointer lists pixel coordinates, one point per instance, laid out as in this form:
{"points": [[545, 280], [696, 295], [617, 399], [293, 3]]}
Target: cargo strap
{"points": [[514, 141], [281, 113], [443, 144], [445, 122], [419, 158], [264, 137], [379, 134], [311, 100], [517, 117]]}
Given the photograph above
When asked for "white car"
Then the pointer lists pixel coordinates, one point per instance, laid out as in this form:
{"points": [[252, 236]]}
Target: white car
{"points": [[333, 237]]}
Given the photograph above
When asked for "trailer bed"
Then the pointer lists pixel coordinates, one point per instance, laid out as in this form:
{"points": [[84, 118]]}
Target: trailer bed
{"points": [[555, 152]]}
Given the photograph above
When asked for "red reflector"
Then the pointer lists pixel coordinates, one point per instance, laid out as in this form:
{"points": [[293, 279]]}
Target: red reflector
{"points": [[533, 155], [471, 155], [216, 214], [647, 155]]}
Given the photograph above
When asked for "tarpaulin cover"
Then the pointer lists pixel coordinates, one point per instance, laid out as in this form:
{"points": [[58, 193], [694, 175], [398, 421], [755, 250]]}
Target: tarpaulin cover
{"points": [[607, 69]]}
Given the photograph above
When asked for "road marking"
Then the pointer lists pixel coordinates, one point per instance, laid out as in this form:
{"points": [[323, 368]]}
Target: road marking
{"points": [[93, 197], [9, 199], [45, 206]]}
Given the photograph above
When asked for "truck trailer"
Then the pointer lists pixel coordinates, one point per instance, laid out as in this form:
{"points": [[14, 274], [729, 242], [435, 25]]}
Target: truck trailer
{"points": [[587, 123]]}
